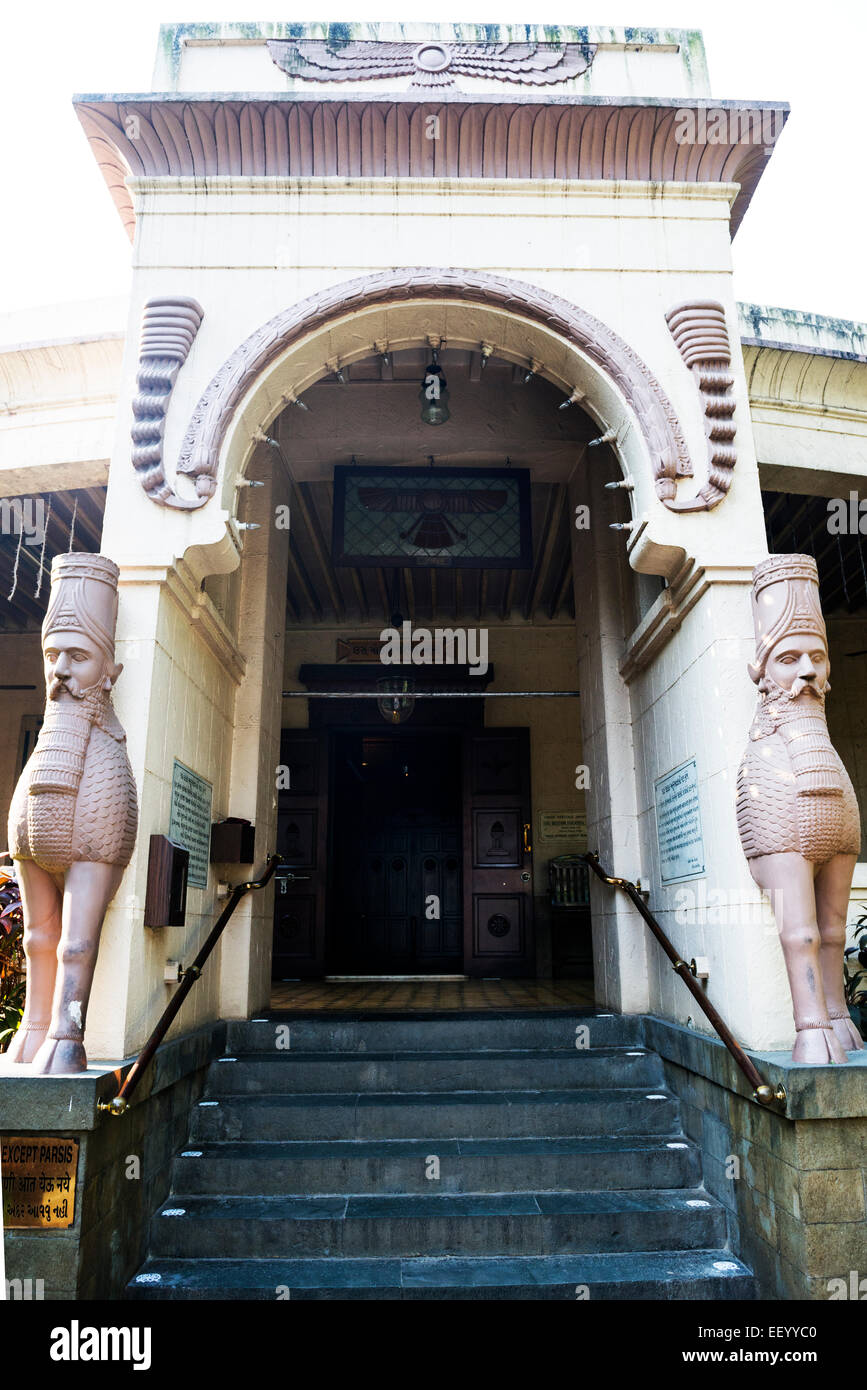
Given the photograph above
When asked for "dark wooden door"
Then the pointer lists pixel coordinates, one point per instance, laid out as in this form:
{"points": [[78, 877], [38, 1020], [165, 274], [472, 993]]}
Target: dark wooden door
{"points": [[498, 870], [302, 834], [407, 908], [397, 864]]}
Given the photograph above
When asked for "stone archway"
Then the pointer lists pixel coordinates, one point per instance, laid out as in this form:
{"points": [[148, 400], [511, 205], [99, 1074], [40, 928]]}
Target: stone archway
{"points": [[566, 344]]}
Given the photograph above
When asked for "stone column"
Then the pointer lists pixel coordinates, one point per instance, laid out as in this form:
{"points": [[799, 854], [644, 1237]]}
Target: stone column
{"points": [[245, 976], [601, 604]]}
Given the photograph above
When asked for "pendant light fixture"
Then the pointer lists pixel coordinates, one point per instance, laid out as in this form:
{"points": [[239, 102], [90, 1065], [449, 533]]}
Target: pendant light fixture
{"points": [[396, 701], [434, 394]]}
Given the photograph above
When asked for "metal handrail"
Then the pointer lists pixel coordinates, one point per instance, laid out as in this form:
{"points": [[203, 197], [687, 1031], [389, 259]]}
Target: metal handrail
{"points": [[763, 1092], [120, 1104]]}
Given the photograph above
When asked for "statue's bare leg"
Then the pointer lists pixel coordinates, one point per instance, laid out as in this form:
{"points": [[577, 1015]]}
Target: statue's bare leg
{"points": [[42, 901], [789, 881], [89, 888], [832, 908]]}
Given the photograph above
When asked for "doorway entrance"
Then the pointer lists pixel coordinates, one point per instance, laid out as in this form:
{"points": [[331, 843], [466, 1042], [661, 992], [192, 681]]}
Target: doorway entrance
{"points": [[397, 885], [408, 852]]}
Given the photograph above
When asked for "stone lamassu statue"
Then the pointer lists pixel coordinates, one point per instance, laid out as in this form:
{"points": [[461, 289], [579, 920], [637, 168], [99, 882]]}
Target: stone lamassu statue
{"points": [[73, 818], [797, 812]]}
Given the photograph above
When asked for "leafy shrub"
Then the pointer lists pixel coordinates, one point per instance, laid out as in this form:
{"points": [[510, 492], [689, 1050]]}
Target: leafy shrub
{"points": [[12, 966]]}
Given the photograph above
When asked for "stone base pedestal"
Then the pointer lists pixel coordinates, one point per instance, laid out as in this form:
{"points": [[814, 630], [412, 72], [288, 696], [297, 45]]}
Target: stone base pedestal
{"points": [[99, 1253], [794, 1184]]}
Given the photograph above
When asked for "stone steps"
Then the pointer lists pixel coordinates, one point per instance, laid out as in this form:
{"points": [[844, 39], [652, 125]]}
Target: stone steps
{"points": [[435, 1114], [563, 1163], [438, 1158], [265, 1074], [689, 1274], [461, 1033], [435, 1224]]}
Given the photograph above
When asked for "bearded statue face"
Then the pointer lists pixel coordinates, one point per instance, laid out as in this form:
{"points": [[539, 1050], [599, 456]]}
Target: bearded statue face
{"points": [[798, 662], [74, 665]]}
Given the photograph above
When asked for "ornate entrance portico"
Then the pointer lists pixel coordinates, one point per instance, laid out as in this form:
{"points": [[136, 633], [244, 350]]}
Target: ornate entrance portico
{"points": [[315, 216], [616, 363]]}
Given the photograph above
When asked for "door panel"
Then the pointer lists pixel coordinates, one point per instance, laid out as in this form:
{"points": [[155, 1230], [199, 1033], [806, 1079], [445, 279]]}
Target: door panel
{"points": [[397, 846], [302, 825], [498, 880]]}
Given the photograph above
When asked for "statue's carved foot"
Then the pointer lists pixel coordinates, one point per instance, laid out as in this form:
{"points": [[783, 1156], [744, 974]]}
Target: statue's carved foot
{"points": [[847, 1034], [27, 1041], [818, 1046], [59, 1057]]}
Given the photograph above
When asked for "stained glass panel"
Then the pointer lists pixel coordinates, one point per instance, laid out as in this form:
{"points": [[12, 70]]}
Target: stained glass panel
{"points": [[474, 518]]}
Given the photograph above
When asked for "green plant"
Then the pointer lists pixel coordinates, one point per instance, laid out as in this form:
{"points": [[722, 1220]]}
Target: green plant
{"points": [[855, 979], [12, 965]]}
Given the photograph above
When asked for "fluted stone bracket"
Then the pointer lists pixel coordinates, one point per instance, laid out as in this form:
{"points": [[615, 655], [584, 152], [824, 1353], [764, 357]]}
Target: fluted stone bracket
{"points": [[169, 326], [655, 414], [433, 63], [701, 337]]}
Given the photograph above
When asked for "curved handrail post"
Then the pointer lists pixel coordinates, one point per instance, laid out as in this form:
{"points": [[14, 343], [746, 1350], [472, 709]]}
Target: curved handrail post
{"points": [[763, 1092], [120, 1103]]}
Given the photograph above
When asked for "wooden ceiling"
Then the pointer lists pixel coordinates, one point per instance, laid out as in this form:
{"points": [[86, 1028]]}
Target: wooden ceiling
{"points": [[319, 591], [499, 418], [21, 565], [797, 524]]}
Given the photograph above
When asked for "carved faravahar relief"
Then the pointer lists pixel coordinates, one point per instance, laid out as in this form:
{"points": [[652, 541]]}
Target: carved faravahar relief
{"points": [[700, 334], [169, 326], [432, 64], [198, 457]]}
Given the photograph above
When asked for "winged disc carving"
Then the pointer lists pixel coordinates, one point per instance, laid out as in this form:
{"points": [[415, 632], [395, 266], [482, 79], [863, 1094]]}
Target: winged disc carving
{"points": [[434, 531], [431, 64]]}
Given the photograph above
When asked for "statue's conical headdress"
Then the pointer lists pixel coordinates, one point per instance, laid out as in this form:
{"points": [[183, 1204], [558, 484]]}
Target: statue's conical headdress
{"points": [[785, 599], [84, 598]]}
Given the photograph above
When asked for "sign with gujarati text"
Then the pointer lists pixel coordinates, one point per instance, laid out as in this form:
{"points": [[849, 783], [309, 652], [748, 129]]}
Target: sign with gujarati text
{"points": [[678, 824], [563, 825], [351, 649], [39, 1173], [190, 820]]}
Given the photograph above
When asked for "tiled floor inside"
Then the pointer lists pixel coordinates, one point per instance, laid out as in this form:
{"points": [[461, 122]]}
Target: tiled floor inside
{"points": [[425, 995]]}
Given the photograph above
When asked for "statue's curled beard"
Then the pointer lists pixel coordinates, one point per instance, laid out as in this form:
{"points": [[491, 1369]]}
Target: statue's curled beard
{"points": [[59, 685], [771, 691]]}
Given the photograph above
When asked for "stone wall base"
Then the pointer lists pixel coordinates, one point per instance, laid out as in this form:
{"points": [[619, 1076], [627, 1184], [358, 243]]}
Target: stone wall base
{"points": [[99, 1253], [794, 1184]]}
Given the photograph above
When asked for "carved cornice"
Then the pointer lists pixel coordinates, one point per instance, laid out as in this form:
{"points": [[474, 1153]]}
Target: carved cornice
{"points": [[301, 134], [183, 588], [434, 63], [199, 453], [169, 326], [666, 615], [701, 337]]}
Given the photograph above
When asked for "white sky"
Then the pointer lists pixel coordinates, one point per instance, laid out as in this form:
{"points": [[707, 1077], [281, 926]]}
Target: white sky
{"points": [[802, 244]]}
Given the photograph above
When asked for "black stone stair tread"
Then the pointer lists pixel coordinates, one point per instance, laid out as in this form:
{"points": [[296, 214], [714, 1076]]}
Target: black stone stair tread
{"points": [[459, 1055], [279, 1149], [633, 1268], [617, 1095], [435, 1205]]}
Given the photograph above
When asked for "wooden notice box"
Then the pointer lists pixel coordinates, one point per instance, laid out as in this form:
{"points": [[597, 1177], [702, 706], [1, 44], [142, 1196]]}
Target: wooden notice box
{"points": [[232, 841], [166, 893]]}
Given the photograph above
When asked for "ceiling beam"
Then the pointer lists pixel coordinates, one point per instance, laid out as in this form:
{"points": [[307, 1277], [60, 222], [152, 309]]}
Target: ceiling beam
{"points": [[314, 531], [296, 564], [553, 516], [508, 594], [558, 593]]}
